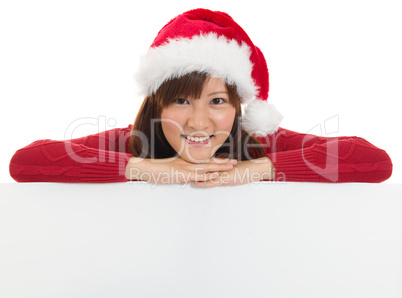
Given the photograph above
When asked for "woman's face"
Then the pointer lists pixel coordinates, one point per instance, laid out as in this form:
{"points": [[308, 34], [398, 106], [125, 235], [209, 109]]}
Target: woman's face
{"points": [[197, 127]]}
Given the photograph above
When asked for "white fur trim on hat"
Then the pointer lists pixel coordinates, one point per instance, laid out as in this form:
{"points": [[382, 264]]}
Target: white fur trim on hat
{"points": [[261, 118], [217, 56]]}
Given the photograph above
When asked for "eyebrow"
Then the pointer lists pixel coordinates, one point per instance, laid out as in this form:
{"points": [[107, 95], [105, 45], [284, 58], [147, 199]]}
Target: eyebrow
{"points": [[213, 93]]}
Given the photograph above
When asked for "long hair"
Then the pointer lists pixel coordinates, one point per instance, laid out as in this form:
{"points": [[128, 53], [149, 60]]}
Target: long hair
{"points": [[147, 139]]}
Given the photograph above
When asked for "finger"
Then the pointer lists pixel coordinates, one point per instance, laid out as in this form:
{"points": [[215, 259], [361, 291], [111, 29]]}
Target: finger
{"points": [[220, 160], [206, 184], [224, 178], [218, 167], [197, 172], [204, 177], [202, 184]]}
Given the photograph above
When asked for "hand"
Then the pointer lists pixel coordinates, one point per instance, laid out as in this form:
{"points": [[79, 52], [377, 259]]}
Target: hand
{"points": [[244, 172], [176, 170]]}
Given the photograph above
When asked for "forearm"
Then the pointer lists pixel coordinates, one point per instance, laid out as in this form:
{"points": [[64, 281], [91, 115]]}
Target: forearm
{"points": [[342, 159], [136, 167], [257, 169], [64, 161], [266, 168]]}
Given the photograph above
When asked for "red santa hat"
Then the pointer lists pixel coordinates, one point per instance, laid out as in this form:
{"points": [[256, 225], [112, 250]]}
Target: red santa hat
{"points": [[212, 42]]}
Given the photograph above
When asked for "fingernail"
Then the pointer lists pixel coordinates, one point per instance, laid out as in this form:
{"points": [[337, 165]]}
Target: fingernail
{"points": [[215, 175]]}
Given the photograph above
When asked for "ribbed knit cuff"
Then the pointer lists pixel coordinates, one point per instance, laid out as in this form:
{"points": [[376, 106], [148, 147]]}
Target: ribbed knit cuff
{"points": [[108, 167], [295, 165]]}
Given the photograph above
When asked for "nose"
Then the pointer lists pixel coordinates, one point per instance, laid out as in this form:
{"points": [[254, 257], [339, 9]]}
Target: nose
{"points": [[199, 118]]}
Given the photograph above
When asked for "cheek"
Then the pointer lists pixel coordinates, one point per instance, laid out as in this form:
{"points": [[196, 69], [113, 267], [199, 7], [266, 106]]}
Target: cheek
{"points": [[170, 128], [171, 122], [226, 119]]}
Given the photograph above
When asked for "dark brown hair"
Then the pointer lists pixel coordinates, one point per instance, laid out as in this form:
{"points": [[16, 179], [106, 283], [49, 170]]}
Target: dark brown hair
{"points": [[146, 142]]}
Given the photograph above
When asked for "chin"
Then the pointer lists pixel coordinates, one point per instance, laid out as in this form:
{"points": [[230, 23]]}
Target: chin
{"points": [[197, 157]]}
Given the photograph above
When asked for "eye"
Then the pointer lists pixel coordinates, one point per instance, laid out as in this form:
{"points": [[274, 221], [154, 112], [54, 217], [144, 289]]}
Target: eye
{"points": [[180, 101], [218, 101]]}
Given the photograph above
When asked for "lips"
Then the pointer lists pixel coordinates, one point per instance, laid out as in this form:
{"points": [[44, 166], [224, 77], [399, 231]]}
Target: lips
{"points": [[197, 139]]}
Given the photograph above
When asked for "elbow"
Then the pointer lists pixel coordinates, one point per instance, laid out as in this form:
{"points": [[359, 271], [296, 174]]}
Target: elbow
{"points": [[24, 163], [15, 167], [385, 168], [380, 161]]}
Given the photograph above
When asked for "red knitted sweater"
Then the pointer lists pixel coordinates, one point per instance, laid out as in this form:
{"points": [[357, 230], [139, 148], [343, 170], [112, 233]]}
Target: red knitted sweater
{"points": [[103, 157]]}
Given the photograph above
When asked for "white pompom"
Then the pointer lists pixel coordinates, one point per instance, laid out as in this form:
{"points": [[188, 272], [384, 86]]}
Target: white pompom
{"points": [[261, 118]]}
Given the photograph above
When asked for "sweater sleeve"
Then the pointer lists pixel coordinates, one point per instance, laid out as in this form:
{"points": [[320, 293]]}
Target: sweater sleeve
{"points": [[97, 158], [310, 158]]}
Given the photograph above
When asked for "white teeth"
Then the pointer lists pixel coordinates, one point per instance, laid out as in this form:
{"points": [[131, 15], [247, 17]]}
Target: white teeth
{"points": [[192, 139]]}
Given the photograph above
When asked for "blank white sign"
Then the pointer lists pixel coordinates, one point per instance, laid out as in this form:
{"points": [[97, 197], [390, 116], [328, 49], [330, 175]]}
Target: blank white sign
{"points": [[257, 240]]}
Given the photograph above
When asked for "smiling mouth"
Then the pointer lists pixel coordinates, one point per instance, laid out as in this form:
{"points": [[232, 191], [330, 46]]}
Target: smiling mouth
{"points": [[198, 139]]}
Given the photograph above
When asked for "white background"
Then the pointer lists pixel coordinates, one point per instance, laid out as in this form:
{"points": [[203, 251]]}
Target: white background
{"points": [[61, 61], [287, 240]]}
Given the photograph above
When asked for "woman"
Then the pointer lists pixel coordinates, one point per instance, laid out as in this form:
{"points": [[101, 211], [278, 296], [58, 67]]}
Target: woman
{"points": [[190, 128]]}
